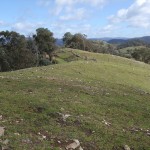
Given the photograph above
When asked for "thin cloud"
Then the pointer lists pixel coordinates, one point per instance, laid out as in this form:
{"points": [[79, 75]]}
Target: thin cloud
{"points": [[137, 15], [2, 23], [26, 27], [78, 14]]}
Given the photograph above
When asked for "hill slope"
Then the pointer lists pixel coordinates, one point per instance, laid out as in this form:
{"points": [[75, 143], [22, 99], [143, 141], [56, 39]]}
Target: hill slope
{"points": [[108, 98]]}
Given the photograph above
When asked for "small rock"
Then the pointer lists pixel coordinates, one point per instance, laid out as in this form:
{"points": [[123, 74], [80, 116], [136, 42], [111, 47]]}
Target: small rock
{"points": [[64, 116], [2, 77], [148, 134], [80, 148], [73, 145], [6, 142], [107, 94], [1, 117], [44, 137], [30, 91], [28, 141], [59, 142], [62, 109], [126, 147], [4, 148], [16, 134], [2, 131], [106, 122]]}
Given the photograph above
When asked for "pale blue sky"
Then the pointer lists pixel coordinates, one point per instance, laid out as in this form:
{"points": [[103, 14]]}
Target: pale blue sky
{"points": [[95, 18]]}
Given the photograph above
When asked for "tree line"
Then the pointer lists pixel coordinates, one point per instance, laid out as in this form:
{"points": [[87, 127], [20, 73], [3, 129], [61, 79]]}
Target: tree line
{"points": [[80, 41], [18, 51], [135, 48]]}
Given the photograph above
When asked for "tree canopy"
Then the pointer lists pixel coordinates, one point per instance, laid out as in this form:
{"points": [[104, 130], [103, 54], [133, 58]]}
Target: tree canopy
{"points": [[44, 40], [14, 52]]}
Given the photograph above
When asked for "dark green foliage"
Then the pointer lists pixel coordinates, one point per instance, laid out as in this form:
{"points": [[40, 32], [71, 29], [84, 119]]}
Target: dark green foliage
{"points": [[31, 44], [67, 38], [103, 47], [77, 41], [14, 52], [4, 64], [44, 40], [135, 48], [45, 43], [142, 54], [133, 42], [18, 52], [80, 41], [44, 62]]}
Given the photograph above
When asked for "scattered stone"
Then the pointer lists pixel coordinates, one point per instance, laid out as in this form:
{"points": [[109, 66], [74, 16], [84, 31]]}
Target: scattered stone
{"points": [[106, 122], [30, 91], [74, 145], [59, 142], [28, 141], [44, 137], [4, 148], [5, 142], [16, 134], [80, 148], [134, 130], [2, 77], [2, 130], [64, 116], [62, 109], [17, 121], [148, 133], [107, 94], [126, 147]]}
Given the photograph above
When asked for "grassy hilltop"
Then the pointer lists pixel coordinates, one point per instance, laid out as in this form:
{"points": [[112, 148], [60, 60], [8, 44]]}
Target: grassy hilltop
{"points": [[108, 98]]}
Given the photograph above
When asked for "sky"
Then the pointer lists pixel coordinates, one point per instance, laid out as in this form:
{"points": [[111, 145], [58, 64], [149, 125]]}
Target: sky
{"points": [[95, 18]]}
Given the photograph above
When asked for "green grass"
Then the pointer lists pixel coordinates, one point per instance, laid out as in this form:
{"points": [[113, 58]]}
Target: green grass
{"points": [[91, 88]]}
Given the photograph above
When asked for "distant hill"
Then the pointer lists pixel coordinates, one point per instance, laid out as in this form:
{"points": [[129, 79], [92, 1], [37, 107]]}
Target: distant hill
{"points": [[145, 39], [132, 42], [101, 39], [117, 41], [59, 42], [107, 39], [111, 40]]}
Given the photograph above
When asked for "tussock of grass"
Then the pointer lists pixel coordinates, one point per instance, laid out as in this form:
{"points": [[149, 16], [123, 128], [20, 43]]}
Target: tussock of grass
{"points": [[92, 88]]}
